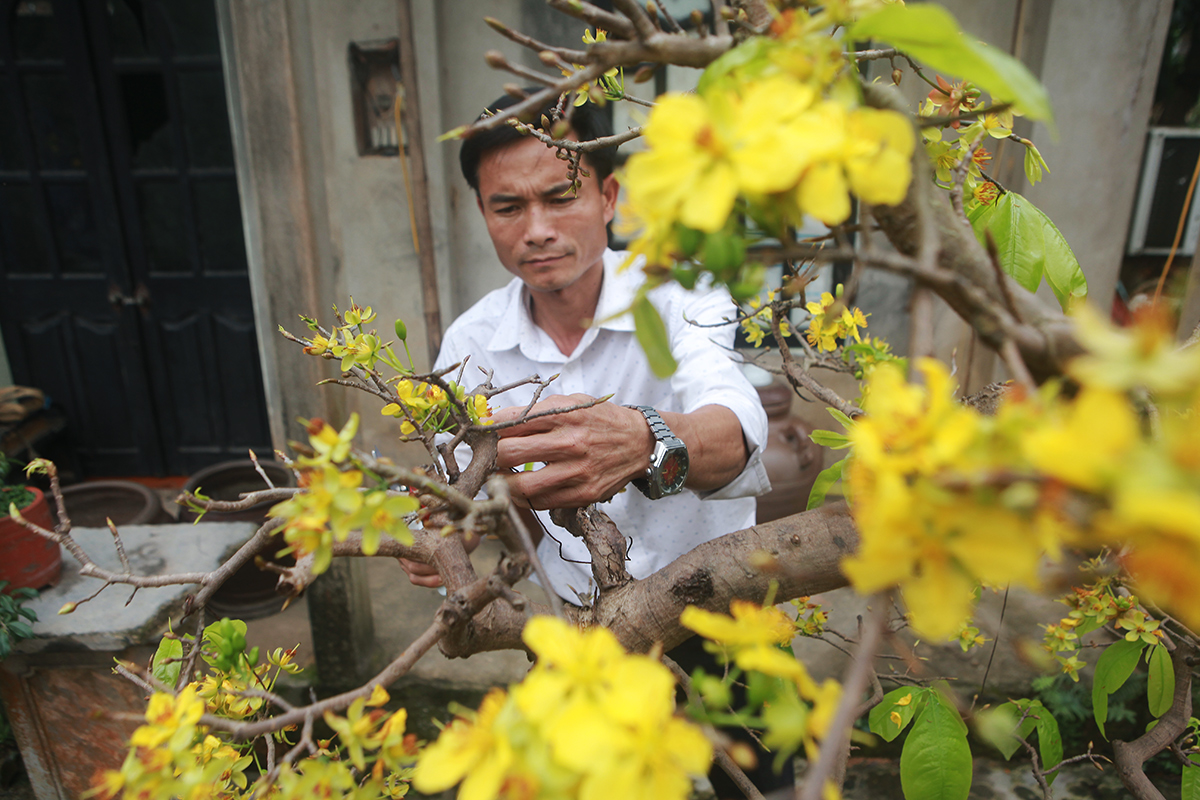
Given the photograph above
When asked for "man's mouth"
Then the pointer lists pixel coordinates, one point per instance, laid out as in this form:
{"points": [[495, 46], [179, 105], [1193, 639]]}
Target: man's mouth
{"points": [[541, 259]]}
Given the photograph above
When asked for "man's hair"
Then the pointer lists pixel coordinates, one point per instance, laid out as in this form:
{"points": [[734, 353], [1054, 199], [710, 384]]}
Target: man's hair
{"points": [[587, 121]]}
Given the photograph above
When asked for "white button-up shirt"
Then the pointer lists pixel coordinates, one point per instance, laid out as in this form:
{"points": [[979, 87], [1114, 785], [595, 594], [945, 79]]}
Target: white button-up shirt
{"points": [[499, 334]]}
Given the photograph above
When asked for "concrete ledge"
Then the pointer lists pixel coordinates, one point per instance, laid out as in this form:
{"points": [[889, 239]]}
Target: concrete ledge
{"points": [[116, 620]]}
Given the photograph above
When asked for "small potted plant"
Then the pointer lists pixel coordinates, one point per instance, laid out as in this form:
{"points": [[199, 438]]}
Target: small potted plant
{"points": [[27, 560], [15, 624]]}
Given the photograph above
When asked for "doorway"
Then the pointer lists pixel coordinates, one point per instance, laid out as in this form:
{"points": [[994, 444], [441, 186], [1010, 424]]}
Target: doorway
{"points": [[124, 290]]}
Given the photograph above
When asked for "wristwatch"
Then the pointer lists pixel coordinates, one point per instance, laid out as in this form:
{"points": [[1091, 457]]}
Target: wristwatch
{"points": [[668, 463]]}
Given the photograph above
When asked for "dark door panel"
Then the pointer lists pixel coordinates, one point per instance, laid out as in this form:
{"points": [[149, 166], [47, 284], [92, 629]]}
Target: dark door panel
{"points": [[123, 284]]}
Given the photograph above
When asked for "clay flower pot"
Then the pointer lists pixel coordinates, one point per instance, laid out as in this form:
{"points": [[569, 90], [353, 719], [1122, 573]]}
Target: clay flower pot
{"points": [[27, 559]]}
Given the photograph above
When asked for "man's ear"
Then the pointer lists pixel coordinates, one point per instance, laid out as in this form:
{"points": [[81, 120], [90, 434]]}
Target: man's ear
{"points": [[478, 201], [609, 189]]}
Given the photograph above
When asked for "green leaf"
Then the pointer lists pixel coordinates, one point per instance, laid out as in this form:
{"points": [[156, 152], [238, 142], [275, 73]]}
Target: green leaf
{"points": [[930, 33], [830, 439], [996, 726], [1190, 784], [1019, 243], [1115, 666], [169, 648], [1160, 688], [935, 763], [1030, 247], [20, 630], [1063, 272], [840, 417], [1050, 744], [880, 718], [652, 336], [825, 480], [754, 49]]}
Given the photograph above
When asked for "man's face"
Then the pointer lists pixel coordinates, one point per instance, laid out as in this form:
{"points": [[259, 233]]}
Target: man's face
{"points": [[543, 234]]}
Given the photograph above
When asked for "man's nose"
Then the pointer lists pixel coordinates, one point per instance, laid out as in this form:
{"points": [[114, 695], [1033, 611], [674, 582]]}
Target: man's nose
{"points": [[539, 227]]}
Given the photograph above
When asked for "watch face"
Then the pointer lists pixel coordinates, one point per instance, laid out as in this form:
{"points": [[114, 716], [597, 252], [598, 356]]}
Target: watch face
{"points": [[674, 470]]}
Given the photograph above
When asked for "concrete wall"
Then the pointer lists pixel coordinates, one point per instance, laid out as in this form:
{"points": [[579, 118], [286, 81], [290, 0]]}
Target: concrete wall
{"points": [[323, 223]]}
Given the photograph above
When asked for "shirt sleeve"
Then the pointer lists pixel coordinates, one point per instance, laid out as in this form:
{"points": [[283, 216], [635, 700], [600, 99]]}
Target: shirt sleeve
{"points": [[710, 373]]}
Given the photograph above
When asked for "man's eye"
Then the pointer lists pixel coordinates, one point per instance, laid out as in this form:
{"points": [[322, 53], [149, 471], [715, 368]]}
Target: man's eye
{"points": [[505, 210]]}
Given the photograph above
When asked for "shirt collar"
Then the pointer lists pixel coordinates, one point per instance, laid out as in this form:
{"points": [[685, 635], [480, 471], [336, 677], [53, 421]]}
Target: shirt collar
{"points": [[617, 291]]}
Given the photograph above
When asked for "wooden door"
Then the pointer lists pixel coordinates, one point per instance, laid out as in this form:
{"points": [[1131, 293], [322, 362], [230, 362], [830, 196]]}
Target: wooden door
{"points": [[124, 291]]}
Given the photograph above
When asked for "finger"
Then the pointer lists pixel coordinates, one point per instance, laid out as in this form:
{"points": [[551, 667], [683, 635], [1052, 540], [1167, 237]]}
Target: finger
{"points": [[553, 486], [420, 574], [521, 450]]}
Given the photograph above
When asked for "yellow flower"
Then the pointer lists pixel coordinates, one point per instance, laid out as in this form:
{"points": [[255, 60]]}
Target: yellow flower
{"points": [[703, 150], [1144, 355], [330, 445], [474, 751], [832, 320], [170, 719], [879, 157], [747, 624], [753, 634], [1087, 447], [356, 731]]}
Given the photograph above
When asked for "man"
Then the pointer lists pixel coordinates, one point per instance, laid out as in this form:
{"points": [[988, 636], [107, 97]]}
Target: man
{"points": [[562, 315]]}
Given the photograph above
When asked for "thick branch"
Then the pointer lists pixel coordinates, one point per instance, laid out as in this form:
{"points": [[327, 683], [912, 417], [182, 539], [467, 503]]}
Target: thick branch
{"points": [[605, 543], [807, 549]]}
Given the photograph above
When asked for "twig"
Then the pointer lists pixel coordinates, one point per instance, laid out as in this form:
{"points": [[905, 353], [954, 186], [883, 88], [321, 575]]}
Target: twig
{"points": [[258, 468], [1016, 365], [189, 664], [852, 688], [593, 15], [515, 520], [960, 177], [528, 417], [566, 54], [722, 759], [800, 379], [497, 60], [112, 528], [1039, 774], [995, 643], [637, 15], [591, 145]]}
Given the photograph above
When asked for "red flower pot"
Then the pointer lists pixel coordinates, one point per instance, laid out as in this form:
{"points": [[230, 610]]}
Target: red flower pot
{"points": [[27, 559]]}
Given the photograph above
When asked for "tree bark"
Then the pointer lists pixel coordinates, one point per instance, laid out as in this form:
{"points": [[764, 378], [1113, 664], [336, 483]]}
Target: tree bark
{"points": [[806, 549]]}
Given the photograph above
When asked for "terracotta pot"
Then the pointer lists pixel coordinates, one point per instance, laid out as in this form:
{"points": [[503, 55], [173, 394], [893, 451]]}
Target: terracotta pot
{"points": [[124, 502], [26, 559], [792, 459], [228, 480], [250, 592]]}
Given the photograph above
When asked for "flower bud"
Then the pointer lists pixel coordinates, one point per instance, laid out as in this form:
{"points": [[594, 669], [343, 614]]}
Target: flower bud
{"points": [[897, 74], [67, 609], [401, 330]]}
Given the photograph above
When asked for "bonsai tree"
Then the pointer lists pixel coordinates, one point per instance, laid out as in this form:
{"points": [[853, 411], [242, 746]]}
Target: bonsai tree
{"points": [[1089, 450]]}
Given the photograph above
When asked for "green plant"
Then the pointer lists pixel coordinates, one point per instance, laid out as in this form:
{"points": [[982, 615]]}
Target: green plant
{"points": [[15, 620], [12, 492]]}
